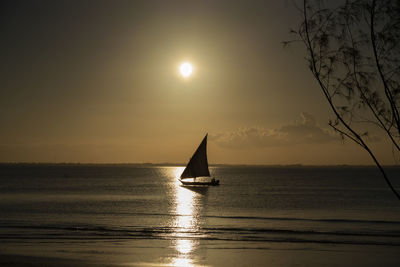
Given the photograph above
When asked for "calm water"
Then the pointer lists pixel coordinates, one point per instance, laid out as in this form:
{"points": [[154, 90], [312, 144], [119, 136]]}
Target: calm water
{"points": [[86, 210]]}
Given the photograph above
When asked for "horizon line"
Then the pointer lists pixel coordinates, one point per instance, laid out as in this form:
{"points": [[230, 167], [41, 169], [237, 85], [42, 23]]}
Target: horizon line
{"points": [[184, 164]]}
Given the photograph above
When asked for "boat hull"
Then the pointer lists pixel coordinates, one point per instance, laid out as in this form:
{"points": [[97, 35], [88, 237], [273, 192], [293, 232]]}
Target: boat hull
{"points": [[193, 183]]}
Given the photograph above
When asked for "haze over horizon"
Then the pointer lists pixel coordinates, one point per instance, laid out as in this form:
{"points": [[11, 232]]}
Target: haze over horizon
{"points": [[98, 81]]}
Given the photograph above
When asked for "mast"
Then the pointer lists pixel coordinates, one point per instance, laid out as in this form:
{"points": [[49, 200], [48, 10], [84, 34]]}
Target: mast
{"points": [[198, 164]]}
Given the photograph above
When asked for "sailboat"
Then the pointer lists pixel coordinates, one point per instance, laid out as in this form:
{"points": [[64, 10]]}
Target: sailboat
{"points": [[198, 167]]}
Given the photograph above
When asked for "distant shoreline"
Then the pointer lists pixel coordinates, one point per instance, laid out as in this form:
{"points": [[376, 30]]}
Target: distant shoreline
{"points": [[168, 164]]}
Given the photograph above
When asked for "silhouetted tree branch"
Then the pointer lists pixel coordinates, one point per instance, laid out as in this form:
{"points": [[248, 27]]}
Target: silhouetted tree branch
{"points": [[353, 52]]}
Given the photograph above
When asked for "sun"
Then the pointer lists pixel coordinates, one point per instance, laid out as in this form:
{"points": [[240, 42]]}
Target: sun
{"points": [[186, 69]]}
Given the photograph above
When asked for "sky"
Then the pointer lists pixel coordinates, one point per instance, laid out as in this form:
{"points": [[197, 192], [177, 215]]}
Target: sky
{"points": [[98, 81]]}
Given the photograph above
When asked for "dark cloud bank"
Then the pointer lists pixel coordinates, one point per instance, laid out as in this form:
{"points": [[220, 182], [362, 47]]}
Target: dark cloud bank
{"points": [[306, 131]]}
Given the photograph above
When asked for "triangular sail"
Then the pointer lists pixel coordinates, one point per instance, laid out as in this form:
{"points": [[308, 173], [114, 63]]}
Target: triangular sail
{"points": [[198, 165]]}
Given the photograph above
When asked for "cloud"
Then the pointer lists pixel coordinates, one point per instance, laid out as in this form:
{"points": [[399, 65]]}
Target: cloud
{"points": [[307, 131]]}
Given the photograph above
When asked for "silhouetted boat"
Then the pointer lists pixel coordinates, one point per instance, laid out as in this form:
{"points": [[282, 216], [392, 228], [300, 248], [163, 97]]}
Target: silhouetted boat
{"points": [[198, 167]]}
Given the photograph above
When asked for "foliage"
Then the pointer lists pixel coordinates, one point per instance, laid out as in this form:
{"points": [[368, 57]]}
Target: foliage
{"points": [[353, 52]]}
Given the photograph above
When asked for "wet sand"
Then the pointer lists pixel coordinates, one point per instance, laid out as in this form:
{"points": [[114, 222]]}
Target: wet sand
{"points": [[36, 261], [144, 253]]}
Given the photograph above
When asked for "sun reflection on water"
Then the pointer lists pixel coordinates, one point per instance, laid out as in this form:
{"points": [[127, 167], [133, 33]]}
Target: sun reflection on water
{"points": [[187, 209], [184, 246], [177, 171], [182, 262]]}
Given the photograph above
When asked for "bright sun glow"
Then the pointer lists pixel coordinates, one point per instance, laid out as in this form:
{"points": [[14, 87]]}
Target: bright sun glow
{"points": [[186, 69]]}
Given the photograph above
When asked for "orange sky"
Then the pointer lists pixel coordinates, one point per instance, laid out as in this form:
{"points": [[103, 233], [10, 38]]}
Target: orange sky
{"points": [[98, 81]]}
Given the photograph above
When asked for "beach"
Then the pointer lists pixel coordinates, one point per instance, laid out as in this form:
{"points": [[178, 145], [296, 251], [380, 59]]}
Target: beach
{"points": [[144, 256]]}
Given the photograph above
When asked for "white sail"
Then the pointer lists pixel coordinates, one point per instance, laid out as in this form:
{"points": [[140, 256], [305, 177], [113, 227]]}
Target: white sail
{"points": [[198, 165]]}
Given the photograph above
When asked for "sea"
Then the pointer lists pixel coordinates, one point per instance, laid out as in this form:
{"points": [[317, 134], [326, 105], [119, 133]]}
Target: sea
{"points": [[140, 215]]}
